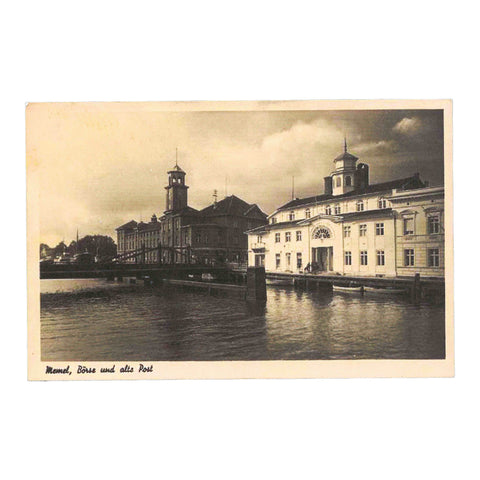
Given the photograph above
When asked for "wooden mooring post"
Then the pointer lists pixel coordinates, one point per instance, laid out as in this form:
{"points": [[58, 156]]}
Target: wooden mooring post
{"points": [[416, 288], [256, 284]]}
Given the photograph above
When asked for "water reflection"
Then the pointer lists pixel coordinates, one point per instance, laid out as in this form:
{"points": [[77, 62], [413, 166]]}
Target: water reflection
{"points": [[132, 322]]}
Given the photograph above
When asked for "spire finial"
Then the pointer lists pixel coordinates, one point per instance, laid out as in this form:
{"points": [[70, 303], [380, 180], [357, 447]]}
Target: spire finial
{"points": [[345, 144], [176, 156]]}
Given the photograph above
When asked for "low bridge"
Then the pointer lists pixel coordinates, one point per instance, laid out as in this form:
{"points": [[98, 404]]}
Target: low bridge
{"points": [[135, 264], [119, 270]]}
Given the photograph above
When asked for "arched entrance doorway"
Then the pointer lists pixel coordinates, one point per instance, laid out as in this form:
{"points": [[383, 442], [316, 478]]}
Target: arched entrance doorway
{"points": [[322, 250]]}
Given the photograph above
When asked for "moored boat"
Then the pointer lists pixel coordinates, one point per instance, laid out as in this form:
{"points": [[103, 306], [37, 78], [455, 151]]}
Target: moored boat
{"points": [[395, 291], [279, 282], [341, 288]]}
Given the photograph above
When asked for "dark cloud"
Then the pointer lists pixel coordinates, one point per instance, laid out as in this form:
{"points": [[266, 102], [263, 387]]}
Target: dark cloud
{"points": [[102, 169]]}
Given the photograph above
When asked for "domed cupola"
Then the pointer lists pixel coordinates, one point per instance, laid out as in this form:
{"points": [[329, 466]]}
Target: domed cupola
{"points": [[344, 173]]}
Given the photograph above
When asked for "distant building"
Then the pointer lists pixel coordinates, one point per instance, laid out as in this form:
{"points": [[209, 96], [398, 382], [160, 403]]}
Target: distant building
{"points": [[183, 234], [354, 228]]}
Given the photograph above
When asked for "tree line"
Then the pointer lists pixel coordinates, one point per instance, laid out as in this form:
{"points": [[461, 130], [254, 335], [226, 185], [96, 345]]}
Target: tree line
{"points": [[98, 245]]}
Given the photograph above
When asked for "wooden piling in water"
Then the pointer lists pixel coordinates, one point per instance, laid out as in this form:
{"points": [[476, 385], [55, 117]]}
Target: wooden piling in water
{"points": [[256, 284], [416, 288]]}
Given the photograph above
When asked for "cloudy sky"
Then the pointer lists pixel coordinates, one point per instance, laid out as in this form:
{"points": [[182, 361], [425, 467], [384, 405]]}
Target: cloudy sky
{"points": [[102, 165]]}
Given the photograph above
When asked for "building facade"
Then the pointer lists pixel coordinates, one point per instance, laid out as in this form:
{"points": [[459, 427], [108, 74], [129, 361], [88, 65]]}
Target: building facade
{"points": [[215, 234], [387, 229]]}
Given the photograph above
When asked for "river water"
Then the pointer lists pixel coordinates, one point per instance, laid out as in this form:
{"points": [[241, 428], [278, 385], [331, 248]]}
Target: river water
{"points": [[96, 320]]}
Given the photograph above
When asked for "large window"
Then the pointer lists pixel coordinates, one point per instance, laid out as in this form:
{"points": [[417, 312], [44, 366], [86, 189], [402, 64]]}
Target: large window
{"points": [[338, 210], [360, 206], [379, 229], [307, 213], [348, 181], [339, 181], [408, 226], [347, 231], [433, 257], [409, 257], [277, 260], [299, 260], [348, 258], [434, 224], [273, 220], [363, 257], [291, 216], [381, 257], [328, 210], [363, 230], [288, 236], [277, 237], [299, 235]]}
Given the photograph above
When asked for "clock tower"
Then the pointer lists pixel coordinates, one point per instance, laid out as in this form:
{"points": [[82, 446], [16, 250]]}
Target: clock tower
{"points": [[176, 190]]}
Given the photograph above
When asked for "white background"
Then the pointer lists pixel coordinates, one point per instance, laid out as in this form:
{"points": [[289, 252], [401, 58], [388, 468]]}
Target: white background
{"points": [[364, 428]]}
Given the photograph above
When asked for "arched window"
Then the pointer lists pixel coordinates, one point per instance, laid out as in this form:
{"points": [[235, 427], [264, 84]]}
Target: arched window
{"points": [[339, 181], [348, 181], [321, 232]]}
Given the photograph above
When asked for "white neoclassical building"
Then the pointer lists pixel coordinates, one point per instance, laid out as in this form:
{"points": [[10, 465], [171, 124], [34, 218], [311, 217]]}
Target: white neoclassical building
{"points": [[354, 228]]}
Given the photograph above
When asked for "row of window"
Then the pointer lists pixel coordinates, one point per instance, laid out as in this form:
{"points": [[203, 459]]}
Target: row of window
{"points": [[364, 257], [362, 229], [337, 210], [288, 236], [433, 225], [324, 233], [288, 260], [433, 256], [204, 238], [408, 257]]}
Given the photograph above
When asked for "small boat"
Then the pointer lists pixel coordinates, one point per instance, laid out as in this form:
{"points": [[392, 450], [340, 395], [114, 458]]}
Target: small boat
{"points": [[339, 288], [395, 291], [279, 282], [208, 277]]}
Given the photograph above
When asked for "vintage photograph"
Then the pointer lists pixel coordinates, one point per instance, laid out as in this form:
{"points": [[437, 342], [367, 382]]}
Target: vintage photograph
{"points": [[239, 239]]}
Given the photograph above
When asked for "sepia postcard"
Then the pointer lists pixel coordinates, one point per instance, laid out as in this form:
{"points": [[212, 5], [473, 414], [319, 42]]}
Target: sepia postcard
{"points": [[270, 239]]}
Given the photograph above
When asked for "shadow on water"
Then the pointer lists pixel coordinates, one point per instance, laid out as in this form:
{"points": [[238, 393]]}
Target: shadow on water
{"points": [[134, 322]]}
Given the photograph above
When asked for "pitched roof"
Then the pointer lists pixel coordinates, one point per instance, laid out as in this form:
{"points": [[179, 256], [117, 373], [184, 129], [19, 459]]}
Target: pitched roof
{"points": [[231, 205], [176, 168], [184, 211], [383, 212], [401, 184], [128, 226], [346, 156], [151, 226]]}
